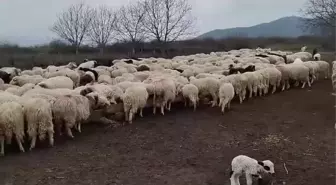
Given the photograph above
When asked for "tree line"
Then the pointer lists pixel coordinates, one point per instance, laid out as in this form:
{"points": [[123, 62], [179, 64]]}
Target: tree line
{"points": [[163, 21]]}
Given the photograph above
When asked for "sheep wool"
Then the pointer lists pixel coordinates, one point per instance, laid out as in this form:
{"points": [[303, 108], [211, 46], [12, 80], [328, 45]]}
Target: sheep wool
{"points": [[57, 82]]}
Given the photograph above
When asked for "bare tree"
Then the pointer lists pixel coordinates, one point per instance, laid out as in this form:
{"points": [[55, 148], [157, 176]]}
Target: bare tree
{"points": [[168, 20], [102, 26], [129, 24], [321, 15], [73, 24]]}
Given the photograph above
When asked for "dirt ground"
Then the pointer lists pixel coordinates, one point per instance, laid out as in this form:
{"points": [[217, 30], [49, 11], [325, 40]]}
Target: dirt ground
{"points": [[185, 147]]}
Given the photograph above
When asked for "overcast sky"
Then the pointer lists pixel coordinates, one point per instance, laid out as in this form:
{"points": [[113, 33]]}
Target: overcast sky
{"points": [[27, 22]]}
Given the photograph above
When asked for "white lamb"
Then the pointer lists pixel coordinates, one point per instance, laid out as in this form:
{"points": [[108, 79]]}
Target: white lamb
{"points": [[226, 94], [11, 122], [38, 115], [57, 82], [190, 92], [134, 98], [251, 167]]}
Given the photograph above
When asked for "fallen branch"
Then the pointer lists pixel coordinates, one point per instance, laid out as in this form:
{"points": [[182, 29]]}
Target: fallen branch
{"points": [[285, 168]]}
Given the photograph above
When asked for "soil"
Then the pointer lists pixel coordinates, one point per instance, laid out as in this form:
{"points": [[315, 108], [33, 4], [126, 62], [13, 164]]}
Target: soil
{"points": [[183, 147]]}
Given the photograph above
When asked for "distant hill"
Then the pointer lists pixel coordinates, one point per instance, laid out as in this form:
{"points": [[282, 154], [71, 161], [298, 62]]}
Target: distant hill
{"points": [[283, 27]]}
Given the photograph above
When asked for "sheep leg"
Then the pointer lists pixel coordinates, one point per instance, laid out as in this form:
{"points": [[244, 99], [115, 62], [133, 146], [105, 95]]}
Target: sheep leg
{"points": [[235, 179], [18, 140], [249, 179], [33, 143], [309, 84], [240, 98], [185, 102], [79, 127], [194, 103], [162, 109], [287, 85], [229, 105], [140, 112], [169, 105], [274, 89], [154, 104], [214, 99], [51, 138], [69, 132], [2, 143], [130, 117], [223, 107], [303, 85]]}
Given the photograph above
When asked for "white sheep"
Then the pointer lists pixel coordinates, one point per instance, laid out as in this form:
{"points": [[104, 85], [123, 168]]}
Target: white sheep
{"points": [[190, 92], [87, 64], [207, 86], [226, 93], [38, 115], [134, 98], [105, 79], [299, 73], [11, 122], [57, 82], [73, 75], [251, 167], [24, 79], [19, 91], [65, 114]]}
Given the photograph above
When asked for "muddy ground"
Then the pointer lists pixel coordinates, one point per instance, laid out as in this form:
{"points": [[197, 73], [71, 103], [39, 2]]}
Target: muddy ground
{"points": [[185, 147]]}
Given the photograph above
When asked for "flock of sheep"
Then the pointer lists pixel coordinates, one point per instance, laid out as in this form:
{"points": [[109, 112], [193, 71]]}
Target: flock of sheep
{"points": [[40, 102]]}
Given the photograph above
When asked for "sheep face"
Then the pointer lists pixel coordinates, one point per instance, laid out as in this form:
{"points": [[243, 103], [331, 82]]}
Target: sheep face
{"points": [[14, 81], [268, 166]]}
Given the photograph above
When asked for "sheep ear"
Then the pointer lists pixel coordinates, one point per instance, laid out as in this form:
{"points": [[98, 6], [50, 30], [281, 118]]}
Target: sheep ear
{"points": [[260, 163]]}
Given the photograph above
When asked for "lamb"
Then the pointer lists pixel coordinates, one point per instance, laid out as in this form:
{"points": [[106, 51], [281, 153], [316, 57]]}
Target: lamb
{"points": [[226, 93], [57, 82], [38, 114], [207, 86], [11, 122], [21, 80], [134, 98], [251, 167], [316, 55], [190, 92]]}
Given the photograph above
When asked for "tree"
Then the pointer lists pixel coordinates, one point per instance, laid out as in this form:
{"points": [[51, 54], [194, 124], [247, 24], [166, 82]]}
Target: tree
{"points": [[102, 26], [168, 20], [321, 16], [73, 24], [129, 25]]}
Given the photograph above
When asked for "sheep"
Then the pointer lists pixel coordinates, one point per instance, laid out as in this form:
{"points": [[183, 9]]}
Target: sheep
{"points": [[251, 167], [52, 68], [90, 70], [303, 49], [299, 73], [275, 77], [38, 115], [143, 67], [87, 64], [134, 98], [285, 75], [1, 82], [190, 92], [324, 68], [21, 80], [83, 109], [12, 71], [73, 75], [207, 86], [19, 91], [226, 93], [87, 78], [11, 122], [252, 84], [65, 114], [57, 82], [165, 90], [106, 79]]}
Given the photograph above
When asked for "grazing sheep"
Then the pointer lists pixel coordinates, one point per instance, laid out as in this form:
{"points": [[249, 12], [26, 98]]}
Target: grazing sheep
{"points": [[134, 98], [38, 115], [11, 122], [190, 92], [226, 93], [57, 82], [251, 167]]}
